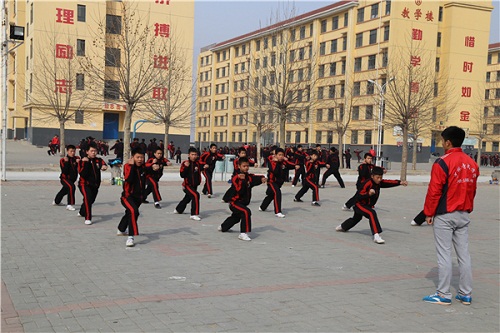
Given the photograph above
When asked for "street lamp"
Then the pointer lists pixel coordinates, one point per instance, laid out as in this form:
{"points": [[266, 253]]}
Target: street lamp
{"points": [[381, 90]]}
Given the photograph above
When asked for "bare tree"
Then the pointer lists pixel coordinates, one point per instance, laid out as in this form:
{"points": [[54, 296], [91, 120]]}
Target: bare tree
{"points": [[133, 65], [172, 106], [58, 86], [415, 96]]}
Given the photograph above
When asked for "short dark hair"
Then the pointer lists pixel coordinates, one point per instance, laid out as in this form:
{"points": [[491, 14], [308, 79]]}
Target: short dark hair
{"points": [[242, 160], [318, 145], [314, 152], [192, 150], [213, 145], [92, 145], [454, 134], [333, 149], [378, 171], [137, 150], [279, 150], [299, 146], [70, 147], [241, 149], [368, 155], [158, 148]]}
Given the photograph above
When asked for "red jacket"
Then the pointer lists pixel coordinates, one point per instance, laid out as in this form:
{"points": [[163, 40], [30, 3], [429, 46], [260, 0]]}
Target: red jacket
{"points": [[453, 184]]}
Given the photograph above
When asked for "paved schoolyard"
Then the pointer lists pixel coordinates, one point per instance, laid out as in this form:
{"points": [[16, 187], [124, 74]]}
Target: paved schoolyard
{"points": [[297, 274]]}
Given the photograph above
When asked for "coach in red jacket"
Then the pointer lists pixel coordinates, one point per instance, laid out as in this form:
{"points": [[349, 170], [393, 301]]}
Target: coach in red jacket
{"points": [[449, 200]]}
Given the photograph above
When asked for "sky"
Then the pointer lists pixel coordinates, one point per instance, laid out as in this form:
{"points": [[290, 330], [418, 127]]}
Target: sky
{"points": [[217, 21]]}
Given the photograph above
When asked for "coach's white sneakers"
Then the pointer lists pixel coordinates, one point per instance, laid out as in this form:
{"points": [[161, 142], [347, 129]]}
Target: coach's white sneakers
{"points": [[244, 237], [280, 215], [195, 217], [377, 239]]}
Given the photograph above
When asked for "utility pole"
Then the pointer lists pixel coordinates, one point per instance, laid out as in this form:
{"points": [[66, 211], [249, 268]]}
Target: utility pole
{"points": [[5, 61]]}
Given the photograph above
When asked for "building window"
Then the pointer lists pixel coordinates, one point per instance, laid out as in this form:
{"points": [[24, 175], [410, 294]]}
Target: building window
{"points": [[333, 47], [31, 14], [297, 137], [370, 88], [319, 134], [361, 15], [319, 115], [354, 137], [371, 61], [320, 92], [489, 58], [496, 129], [355, 112], [31, 48], [330, 114], [301, 53], [80, 81], [321, 71], [111, 89], [274, 40], [359, 39], [368, 137], [292, 35], [257, 45], [374, 13], [498, 75], [497, 93], [113, 24], [356, 91], [440, 16], [487, 94], [436, 89], [357, 64], [81, 13], [343, 67], [373, 36], [112, 57], [387, 7], [266, 43], [80, 47], [302, 32], [333, 68], [329, 136], [346, 19], [335, 23], [439, 39], [437, 64], [494, 146], [79, 117], [496, 111], [322, 48], [386, 32], [331, 92], [369, 112], [485, 112], [385, 59], [323, 26]]}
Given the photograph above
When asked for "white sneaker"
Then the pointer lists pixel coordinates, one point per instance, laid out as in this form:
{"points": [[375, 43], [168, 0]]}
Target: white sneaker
{"points": [[209, 196], [69, 207], [244, 237], [293, 185], [377, 239], [55, 204], [345, 208], [261, 210], [195, 217], [130, 242], [119, 233], [339, 228], [88, 222], [78, 214], [219, 228], [280, 215], [414, 223], [176, 212]]}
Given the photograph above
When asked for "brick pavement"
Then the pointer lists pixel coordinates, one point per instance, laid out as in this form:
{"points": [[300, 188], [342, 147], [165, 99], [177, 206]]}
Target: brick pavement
{"points": [[297, 274]]}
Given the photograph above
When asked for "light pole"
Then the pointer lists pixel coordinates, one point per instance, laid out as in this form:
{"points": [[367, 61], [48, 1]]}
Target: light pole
{"points": [[381, 90]]}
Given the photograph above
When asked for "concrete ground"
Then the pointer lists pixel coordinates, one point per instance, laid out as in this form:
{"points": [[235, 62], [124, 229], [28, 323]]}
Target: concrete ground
{"points": [[297, 274]]}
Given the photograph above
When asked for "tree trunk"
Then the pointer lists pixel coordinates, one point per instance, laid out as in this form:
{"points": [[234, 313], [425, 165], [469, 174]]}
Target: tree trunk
{"points": [[62, 139], [479, 147], [165, 140], [126, 133], [404, 155], [414, 155], [341, 152], [258, 135], [282, 128]]}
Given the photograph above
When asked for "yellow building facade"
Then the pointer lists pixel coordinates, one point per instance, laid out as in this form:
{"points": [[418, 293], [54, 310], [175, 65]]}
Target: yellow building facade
{"points": [[491, 112], [61, 36], [345, 53]]}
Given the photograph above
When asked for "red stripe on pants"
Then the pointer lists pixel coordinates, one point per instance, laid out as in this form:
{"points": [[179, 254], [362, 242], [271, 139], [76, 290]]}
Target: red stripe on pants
{"points": [[371, 217]]}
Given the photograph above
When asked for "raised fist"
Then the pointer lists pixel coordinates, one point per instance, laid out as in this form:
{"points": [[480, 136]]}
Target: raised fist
{"points": [[372, 192], [241, 176], [186, 163]]}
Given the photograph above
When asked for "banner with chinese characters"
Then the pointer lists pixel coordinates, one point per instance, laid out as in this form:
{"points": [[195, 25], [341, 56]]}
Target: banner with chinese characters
{"points": [[114, 107]]}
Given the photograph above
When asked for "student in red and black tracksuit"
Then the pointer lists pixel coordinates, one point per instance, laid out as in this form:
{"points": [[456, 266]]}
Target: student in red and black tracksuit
{"points": [[366, 198], [364, 173], [69, 174], [311, 180], [242, 194], [276, 176], [153, 178], [242, 152], [208, 160], [134, 175], [289, 155], [300, 157], [334, 162], [191, 172], [89, 169]]}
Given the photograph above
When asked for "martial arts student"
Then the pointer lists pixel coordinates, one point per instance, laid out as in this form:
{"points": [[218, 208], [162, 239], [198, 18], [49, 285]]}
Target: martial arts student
{"points": [[191, 172], [69, 174], [311, 179], [208, 160], [153, 178]]}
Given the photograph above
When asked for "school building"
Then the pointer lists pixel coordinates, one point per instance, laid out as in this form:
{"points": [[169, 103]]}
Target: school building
{"points": [[338, 58], [491, 116], [58, 33]]}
